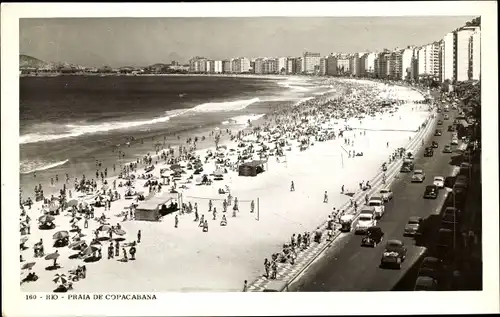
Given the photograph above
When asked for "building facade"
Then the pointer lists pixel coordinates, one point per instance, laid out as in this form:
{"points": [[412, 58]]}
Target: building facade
{"points": [[448, 57], [343, 66], [463, 53], [198, 64], [218, 67], [310, 62], [282, 65], [475, 55], [331, 65]]}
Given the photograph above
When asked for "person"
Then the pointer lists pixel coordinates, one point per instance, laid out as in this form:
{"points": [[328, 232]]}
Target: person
{"points": [[267, 265], [125, 257], [205, 226], [210, 205], [325, 198], [342, 189], [214, 213], [117, 249], [138, 236], [252, 206], [202, 221], [132, 252], [110, 251], [274, 270], [245, 286], [223, 222], [196, 216], [224, 205], [176, 221]]}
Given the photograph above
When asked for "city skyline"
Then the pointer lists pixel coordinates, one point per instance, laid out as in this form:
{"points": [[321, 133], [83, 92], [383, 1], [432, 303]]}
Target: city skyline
{"points": [[143, 41]]}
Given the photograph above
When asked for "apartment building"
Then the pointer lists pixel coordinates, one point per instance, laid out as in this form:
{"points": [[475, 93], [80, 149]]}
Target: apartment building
{"points": [[310, 61], [240, 65], [322, 66], [282, 65], [367, 64], [198, 64], [226, 66], [299, 65], [475, 55], [382, 64], [218, 67], [343, 66], [331, 65], [448, 57], [463, 53], [270, 66]]}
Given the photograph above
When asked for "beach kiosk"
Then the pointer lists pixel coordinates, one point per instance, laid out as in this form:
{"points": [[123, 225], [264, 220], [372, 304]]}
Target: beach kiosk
{"points": [[153, 208], [251, 168]]}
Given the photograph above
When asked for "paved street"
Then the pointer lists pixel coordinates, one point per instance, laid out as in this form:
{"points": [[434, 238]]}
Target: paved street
{"points": [[350, 267]]}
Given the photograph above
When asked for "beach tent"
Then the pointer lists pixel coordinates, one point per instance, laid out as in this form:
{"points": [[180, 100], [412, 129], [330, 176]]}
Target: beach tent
{"points": [[149, 210], [251, 168]]}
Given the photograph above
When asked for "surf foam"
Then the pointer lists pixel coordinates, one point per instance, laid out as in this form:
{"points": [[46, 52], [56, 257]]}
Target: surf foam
{"points": [[225, 106], [32, 166]]}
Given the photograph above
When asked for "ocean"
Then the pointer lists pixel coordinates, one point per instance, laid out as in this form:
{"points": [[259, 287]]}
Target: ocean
{"points": [[69, 122]]}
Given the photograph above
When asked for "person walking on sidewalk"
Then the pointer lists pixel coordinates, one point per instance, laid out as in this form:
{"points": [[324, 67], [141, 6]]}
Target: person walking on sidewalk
{"points": [[245, 286], [325, 198]]}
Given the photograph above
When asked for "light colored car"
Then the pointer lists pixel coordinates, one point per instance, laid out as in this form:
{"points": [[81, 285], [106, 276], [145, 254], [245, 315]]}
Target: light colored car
{"points": [[386, 193], [412, 228], [438, 181], [454, 141], [365, 221], [378, 203], [418, 176]]}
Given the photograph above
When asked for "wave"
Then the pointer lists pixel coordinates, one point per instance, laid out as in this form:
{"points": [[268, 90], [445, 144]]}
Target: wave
{"points": [[74, 130], [242, 120], [32, 166], [225, 106], [287, 85]]}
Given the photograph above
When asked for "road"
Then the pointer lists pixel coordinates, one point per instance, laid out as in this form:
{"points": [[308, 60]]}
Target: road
{"points": [[347, 266]]}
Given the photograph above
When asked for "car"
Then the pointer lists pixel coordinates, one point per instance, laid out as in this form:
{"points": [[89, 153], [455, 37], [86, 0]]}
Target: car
{"points": [[461, 182], [451, 128], [447, 149], [365, 221], [431, 191], [452, 211], [428, 152], [394, 254], [439, 181], [454, 141], [418, 176], [431, 267], [438, 132], [440, 122], [446, 117], [406, 167], [435, 144], [374, 236], [386, 193], [413, 226], [425, 283], [377, 202]]}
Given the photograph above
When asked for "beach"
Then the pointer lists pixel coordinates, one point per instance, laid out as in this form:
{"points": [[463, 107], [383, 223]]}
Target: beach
{"points": [[308, 143]]}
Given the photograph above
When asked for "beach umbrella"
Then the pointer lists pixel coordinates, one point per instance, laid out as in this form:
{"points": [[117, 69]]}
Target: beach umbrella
{"points": [[104, 228], [46, 218], [76, 244], [175, 166], [95, 243], [90, 250], [72, 203], [24, 239], [75, 219], [119, 232], [52, 256], [60, 278], [60, 235], [28, 266]]}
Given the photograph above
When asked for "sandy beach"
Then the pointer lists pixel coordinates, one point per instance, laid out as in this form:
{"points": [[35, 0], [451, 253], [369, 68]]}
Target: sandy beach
{"points": [[302, 144]]}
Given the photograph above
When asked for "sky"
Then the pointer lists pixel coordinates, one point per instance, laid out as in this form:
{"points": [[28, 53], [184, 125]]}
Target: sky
{"points": [[95, 42]]}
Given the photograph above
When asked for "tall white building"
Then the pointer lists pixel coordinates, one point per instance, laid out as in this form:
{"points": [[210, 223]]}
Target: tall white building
{"points": [[475, 55], [367, 64], [282, 65], [310, 61], [448, 57], [218, 67], [240, 65], [463, 53]]}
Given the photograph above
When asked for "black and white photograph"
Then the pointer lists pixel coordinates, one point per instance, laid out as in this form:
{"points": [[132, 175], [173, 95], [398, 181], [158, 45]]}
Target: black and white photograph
{"points": [[229, 154]]}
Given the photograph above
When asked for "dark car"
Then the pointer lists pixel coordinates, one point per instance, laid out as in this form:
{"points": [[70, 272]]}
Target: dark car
{"points": [[446, 117], [429, 152], [431, 192], [394, 254], [438, 132], [435, 144], [451, 128], [413, 227], [447, 149], [407, 167], [425, 283], [374, 235], [440, 122], [431, 267]]}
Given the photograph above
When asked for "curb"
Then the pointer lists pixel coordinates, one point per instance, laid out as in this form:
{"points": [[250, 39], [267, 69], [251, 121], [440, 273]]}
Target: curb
{"points": [[413, 146]]}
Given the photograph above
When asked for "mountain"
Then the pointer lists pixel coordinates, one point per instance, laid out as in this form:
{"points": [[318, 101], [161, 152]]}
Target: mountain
{"points": [[26, 61]]}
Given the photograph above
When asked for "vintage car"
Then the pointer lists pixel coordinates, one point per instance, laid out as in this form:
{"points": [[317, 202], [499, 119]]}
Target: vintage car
{"points": [[377, 202], [394, 254], [386, 194], [447, 149], [440, 122], [451, 128], [428, 152], [365, 221], [413, 226], [418, 176], [374, 236], [407, 167], [346, 222], [454, 141], [431, 267], [438, 181], [431, 192], [425, 283], [452, 212], [438, 132], [435, 144]]}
